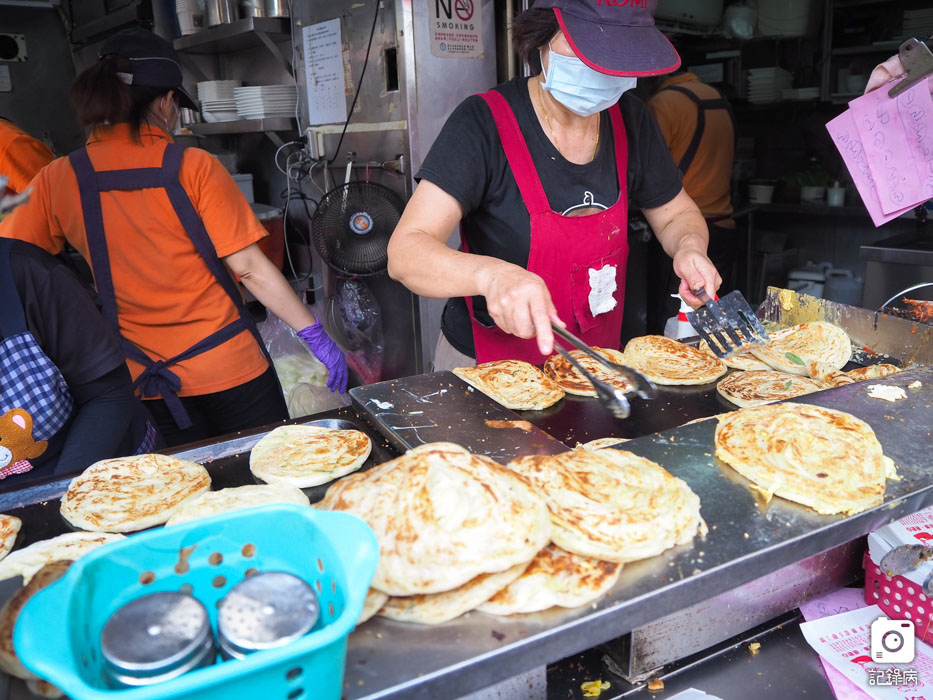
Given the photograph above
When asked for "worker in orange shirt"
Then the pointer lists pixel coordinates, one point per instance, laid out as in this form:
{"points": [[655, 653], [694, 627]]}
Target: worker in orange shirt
{"points": [[697, 123], [21, 156], [163, 227]]}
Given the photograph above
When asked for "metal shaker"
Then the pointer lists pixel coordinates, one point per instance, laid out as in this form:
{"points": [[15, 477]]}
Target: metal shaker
{"points": [[265, 611], [154, 638]]}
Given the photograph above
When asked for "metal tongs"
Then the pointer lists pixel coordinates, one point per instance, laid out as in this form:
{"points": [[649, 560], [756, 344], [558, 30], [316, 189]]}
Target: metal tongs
{"points": [[908, 557], [612, 398], [729, 326], [917, 61]]}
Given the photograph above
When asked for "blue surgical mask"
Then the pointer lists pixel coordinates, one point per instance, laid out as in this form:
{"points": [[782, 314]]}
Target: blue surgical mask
{"points": [[581, 89]]}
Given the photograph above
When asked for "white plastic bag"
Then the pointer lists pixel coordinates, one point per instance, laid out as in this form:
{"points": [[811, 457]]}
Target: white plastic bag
{"points": [[303, 377]]}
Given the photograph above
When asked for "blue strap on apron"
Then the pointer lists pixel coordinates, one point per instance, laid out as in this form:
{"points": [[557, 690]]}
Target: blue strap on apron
{"points": [[156, 379]]}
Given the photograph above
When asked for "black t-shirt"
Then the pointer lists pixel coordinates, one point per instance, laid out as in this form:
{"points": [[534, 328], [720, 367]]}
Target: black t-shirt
{"points": [[468, 162], [64, 322]]}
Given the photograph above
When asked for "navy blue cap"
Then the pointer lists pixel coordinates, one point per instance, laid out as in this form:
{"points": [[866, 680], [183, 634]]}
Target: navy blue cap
{"points": [[617, 37], [153, 61]]}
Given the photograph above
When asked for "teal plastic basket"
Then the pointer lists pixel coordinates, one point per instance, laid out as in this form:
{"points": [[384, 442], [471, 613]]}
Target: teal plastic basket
{"points": [[58, 633]]}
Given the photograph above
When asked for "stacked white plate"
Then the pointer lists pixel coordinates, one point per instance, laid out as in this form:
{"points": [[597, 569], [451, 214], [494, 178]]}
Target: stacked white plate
{"points": [[767, 84], [263, 101], [918, 23], [217, 101], [800, 94], [785, 17]]}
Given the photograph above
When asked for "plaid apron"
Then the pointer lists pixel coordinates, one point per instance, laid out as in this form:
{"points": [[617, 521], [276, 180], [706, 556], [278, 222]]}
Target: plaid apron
{"points": [[30, 380]]}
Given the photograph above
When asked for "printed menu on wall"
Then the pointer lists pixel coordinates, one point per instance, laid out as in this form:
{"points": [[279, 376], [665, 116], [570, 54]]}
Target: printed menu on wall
{"points": [[324, 73]]}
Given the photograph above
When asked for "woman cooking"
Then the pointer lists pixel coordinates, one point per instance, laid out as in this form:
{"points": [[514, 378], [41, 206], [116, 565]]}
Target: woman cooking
{"points": [[539, 173], [162, 228]]}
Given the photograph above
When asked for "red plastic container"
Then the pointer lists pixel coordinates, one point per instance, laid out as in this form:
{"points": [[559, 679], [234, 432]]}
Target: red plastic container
{"points": [[899, 598]]}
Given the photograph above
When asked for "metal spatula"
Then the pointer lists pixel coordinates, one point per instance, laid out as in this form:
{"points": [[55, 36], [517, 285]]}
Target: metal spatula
{"points": [[729, 325]]}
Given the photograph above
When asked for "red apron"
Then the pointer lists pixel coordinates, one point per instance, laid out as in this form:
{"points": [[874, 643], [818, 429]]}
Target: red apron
{"points": [[563, 248]]}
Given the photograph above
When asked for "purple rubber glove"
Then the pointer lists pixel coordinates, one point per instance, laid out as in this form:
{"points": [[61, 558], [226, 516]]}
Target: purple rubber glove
{"points": [[328, 353]]}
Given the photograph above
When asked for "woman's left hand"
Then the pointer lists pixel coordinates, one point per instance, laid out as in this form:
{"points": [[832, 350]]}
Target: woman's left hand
{"points": [[266, 282], [695, 271]]}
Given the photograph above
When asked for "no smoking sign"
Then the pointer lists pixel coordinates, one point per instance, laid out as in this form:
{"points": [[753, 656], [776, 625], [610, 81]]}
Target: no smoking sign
{"points": [[464, 9]]}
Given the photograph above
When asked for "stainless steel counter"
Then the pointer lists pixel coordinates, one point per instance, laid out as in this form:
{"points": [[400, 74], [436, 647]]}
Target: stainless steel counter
{"points": [[784, 668], [747, 540], [907, 249], [894, 264]]}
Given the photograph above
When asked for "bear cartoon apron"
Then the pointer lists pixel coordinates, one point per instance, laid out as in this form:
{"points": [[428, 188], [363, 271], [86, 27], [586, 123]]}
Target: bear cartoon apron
{"points": [[35, 403]]}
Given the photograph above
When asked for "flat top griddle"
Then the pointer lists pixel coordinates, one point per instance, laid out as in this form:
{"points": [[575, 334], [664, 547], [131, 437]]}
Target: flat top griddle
{"points": [[747, 539], [227, 461], [440, 407]]}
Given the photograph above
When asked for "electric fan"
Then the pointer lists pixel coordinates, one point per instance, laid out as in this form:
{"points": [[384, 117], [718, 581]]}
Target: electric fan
{"points": [[350, 229], [352, 225]]}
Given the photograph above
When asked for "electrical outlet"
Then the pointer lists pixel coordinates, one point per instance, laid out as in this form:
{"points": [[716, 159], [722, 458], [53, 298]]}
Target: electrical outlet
{"points": [[312, 143]]}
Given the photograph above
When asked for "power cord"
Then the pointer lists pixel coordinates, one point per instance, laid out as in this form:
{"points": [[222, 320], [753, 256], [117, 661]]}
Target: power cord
{"points": [[359, 85]]}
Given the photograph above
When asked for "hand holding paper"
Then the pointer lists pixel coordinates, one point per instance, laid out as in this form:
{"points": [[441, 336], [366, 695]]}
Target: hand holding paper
{"points": [[887, 146]]}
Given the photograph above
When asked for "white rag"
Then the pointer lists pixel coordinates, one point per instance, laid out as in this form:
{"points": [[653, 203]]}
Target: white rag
{"points": [[602, 287]]}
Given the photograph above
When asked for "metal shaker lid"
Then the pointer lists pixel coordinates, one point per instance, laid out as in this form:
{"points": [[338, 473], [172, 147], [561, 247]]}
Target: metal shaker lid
{"points": [[265, 611], [157, 636]]}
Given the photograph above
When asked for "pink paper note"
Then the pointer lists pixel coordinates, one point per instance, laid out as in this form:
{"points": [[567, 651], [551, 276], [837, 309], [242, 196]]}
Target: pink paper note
{"points": [[846, 136], [898, 143], [843, 600]]}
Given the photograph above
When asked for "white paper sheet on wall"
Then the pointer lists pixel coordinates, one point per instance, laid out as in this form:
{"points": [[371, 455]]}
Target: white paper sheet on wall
{"points": [[324, 75]]}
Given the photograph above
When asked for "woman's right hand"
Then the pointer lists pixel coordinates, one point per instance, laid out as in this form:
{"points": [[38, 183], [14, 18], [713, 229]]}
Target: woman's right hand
{"points": [[520, 303]]}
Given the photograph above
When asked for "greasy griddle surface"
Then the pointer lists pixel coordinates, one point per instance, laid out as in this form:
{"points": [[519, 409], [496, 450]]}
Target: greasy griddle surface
{"points": [[42, 518], [441, 407], [576, 419]]}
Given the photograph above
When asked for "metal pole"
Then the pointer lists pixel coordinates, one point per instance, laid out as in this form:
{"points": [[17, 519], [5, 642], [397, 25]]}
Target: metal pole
{"points": [[510, 52]]}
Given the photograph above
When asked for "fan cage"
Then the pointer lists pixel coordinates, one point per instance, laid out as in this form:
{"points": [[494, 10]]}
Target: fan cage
{"points": [[352, 225]]}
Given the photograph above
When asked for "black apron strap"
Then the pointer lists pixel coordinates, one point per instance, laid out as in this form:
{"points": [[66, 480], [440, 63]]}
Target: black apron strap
{"points": [[89, 190], [194, 226], [129, 179], [12, 317], [702, 106]]}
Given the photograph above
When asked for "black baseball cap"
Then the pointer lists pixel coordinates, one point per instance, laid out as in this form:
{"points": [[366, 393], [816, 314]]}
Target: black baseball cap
{"points": [[617, 37], [153, 61]]}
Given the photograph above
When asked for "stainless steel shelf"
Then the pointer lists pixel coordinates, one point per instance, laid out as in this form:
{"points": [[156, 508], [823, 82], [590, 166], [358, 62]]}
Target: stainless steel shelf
{"points": [[856, 211], [887, 46], [905, 249], [235, 36], [242, 126]]}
